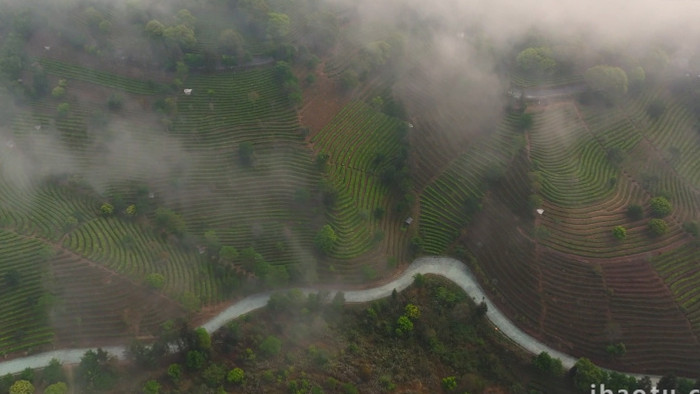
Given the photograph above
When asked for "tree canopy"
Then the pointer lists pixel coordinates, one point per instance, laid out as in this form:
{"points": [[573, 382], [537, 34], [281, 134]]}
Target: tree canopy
{"points": [[608, 80], [537, 60], [325, 239], [660, 206]]}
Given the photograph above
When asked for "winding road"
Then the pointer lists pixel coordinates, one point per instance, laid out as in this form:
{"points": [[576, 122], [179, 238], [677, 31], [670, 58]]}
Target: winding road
{"points": [[447, 267]]}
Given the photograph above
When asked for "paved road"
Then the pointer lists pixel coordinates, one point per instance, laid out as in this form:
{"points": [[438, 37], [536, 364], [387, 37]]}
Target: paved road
{"points": [[542, 93], [449, 268]]}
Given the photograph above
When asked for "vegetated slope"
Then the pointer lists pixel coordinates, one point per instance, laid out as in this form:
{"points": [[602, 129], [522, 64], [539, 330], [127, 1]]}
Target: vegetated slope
{"points": [[362, 144], [680, 270], [343, 348], [194, 169], [584, 194], [564, 277], [579, 305], [442, 130], [25, 300], [93, 305], [248, 201], [448, 203]]}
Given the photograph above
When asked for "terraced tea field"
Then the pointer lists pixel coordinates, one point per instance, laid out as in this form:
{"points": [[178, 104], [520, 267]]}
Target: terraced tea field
{"points": [[564, 277], [194, 168], [354, 140]]}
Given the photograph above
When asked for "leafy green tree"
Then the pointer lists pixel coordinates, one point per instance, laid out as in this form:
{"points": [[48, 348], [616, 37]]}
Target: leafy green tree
{"points": [[658, 226], [404, 325], [692, 227], [611, 81], [107, 209], [212, 241], [130, 210], [96, 371], [235, 376], [56, 388], [449, 383], [62, 110], [169, 221], [181, 35], [417, 244], [185, 17], [277, 25], [231, 43], [619, 381], [412, 311], [349, 80], [660, 206], [154, 29], [203, 339], [616, 350], [547, 364], [53, 372], [525, 121], [214, 375], [155, 281], [537, 61], [27, 374], [667, 382], [656, 108], [175, 373], [195, 360], [228, 254], [586, 374], [271, 346], [58, 92], [151, 387], [326, 239], [619, 232], [635, 212], [22, 387]]}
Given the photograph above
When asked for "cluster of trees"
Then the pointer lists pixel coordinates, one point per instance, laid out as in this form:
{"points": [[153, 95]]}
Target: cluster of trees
{"points": [[609, 81], [52, 379], [659, 207], [586, 375], [371, 59], [289, 82], [395, 173]]}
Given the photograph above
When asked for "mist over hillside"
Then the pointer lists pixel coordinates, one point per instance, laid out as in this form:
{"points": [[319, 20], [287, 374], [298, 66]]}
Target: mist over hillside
{"points": [[457, 53], [182, 154]]}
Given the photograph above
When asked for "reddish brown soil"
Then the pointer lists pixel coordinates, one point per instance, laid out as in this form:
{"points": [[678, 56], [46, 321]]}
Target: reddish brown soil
{"points": [[322, 102], [96, 306], [581, 306]]}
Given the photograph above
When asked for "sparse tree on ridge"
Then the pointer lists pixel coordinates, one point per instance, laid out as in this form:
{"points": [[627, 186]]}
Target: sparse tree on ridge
{"points": [[619, 232]]}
